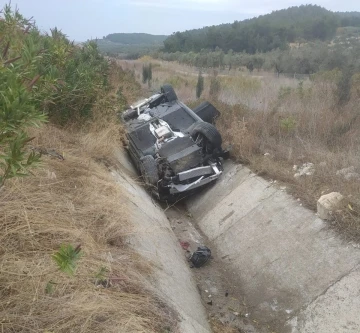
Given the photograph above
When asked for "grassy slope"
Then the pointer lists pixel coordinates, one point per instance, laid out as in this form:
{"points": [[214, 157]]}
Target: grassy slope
{"points": [[74, 201]]}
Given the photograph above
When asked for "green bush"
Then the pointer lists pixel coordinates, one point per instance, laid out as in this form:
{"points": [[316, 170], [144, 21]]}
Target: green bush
{"points": [[19, 74], [42, 77]]}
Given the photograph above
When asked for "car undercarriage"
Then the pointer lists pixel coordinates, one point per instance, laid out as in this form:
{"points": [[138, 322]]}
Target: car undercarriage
{"points": [[174, 149]]}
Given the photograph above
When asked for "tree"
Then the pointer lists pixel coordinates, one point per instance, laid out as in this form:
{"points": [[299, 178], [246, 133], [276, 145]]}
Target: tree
{"points": [[147, 73], [264, 33], [199, 85], [250, 66]]}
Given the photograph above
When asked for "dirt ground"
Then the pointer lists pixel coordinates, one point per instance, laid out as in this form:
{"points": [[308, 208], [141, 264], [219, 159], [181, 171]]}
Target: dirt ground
{"points": [[219, 287]]}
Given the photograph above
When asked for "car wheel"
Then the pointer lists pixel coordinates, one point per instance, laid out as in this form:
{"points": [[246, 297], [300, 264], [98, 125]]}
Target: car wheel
{"points": [[207, 112], [209, 132], [149, 171], [169, 92]]}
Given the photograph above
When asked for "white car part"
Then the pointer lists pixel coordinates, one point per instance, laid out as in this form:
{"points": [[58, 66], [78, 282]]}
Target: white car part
{"points": [[139, 105], [178, 188], [163, 132], [145, 117], [196, 172]]}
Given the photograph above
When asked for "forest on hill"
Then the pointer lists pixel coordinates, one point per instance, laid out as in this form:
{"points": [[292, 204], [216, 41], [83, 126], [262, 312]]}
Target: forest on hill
{"points": [[135, 38], [265, 33], [130, 45]]}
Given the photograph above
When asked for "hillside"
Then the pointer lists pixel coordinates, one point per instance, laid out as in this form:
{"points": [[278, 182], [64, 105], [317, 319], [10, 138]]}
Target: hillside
{"points": [[130, 44], [135, 38], [265, 33]]}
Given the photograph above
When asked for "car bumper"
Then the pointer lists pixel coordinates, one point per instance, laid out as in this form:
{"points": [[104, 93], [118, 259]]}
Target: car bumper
{"points": [[206, 175]]}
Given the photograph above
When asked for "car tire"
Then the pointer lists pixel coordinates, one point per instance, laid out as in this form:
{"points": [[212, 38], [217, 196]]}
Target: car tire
{"points": [[169, 92], [207, 112], [209, 131], [149, 170]]}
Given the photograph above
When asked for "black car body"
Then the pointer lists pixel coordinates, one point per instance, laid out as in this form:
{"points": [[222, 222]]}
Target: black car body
{"points": [[174, 149]]}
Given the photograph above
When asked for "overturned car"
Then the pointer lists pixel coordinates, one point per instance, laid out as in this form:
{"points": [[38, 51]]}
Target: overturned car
{"points": [[176, 149]]}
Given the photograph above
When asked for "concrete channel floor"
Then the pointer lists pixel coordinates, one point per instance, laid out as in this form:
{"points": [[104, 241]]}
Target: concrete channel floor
{"points": [[297, 275]]}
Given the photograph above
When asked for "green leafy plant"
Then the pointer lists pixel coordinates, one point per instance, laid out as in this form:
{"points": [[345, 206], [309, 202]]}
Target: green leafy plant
{"points": [[288, 124], [42, 76], [14, 162], [101, 274], [101, 277], [50, 287], [17, 109], [67, 257]]}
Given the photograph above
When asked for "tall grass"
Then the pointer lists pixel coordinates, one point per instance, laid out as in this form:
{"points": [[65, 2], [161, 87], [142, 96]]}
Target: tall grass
{"points": [[302, 124], [72, 201]]}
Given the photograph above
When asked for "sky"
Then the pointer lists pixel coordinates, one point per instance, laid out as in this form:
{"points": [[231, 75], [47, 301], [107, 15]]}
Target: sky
{"points": [[81, 20]]}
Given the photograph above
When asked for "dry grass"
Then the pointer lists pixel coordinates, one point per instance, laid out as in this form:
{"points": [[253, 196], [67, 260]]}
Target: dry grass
{"points": [[294, 131], [218, 327], [74, 201]]}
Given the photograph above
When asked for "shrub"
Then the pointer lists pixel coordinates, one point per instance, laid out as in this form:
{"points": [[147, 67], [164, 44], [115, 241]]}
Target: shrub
{"points": [[42, 76], [17, 109], [147, 73], [199, 85]]}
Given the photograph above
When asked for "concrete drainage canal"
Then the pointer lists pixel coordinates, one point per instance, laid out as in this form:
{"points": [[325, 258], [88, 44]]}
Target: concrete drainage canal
{"points": [[274, 267]]}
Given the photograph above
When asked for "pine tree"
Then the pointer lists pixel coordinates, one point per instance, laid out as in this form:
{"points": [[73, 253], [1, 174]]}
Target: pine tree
{"points": [[199, 85]]}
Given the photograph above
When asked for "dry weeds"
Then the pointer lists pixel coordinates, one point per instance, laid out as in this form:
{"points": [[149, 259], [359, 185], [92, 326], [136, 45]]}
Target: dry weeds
{"points": [[218, 327], [75, 201], [296, 134]]}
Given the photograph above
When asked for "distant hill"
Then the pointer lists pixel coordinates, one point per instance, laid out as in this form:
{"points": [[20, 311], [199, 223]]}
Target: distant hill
{"points": [[135, 39], [130, 45], [265, 33]]}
